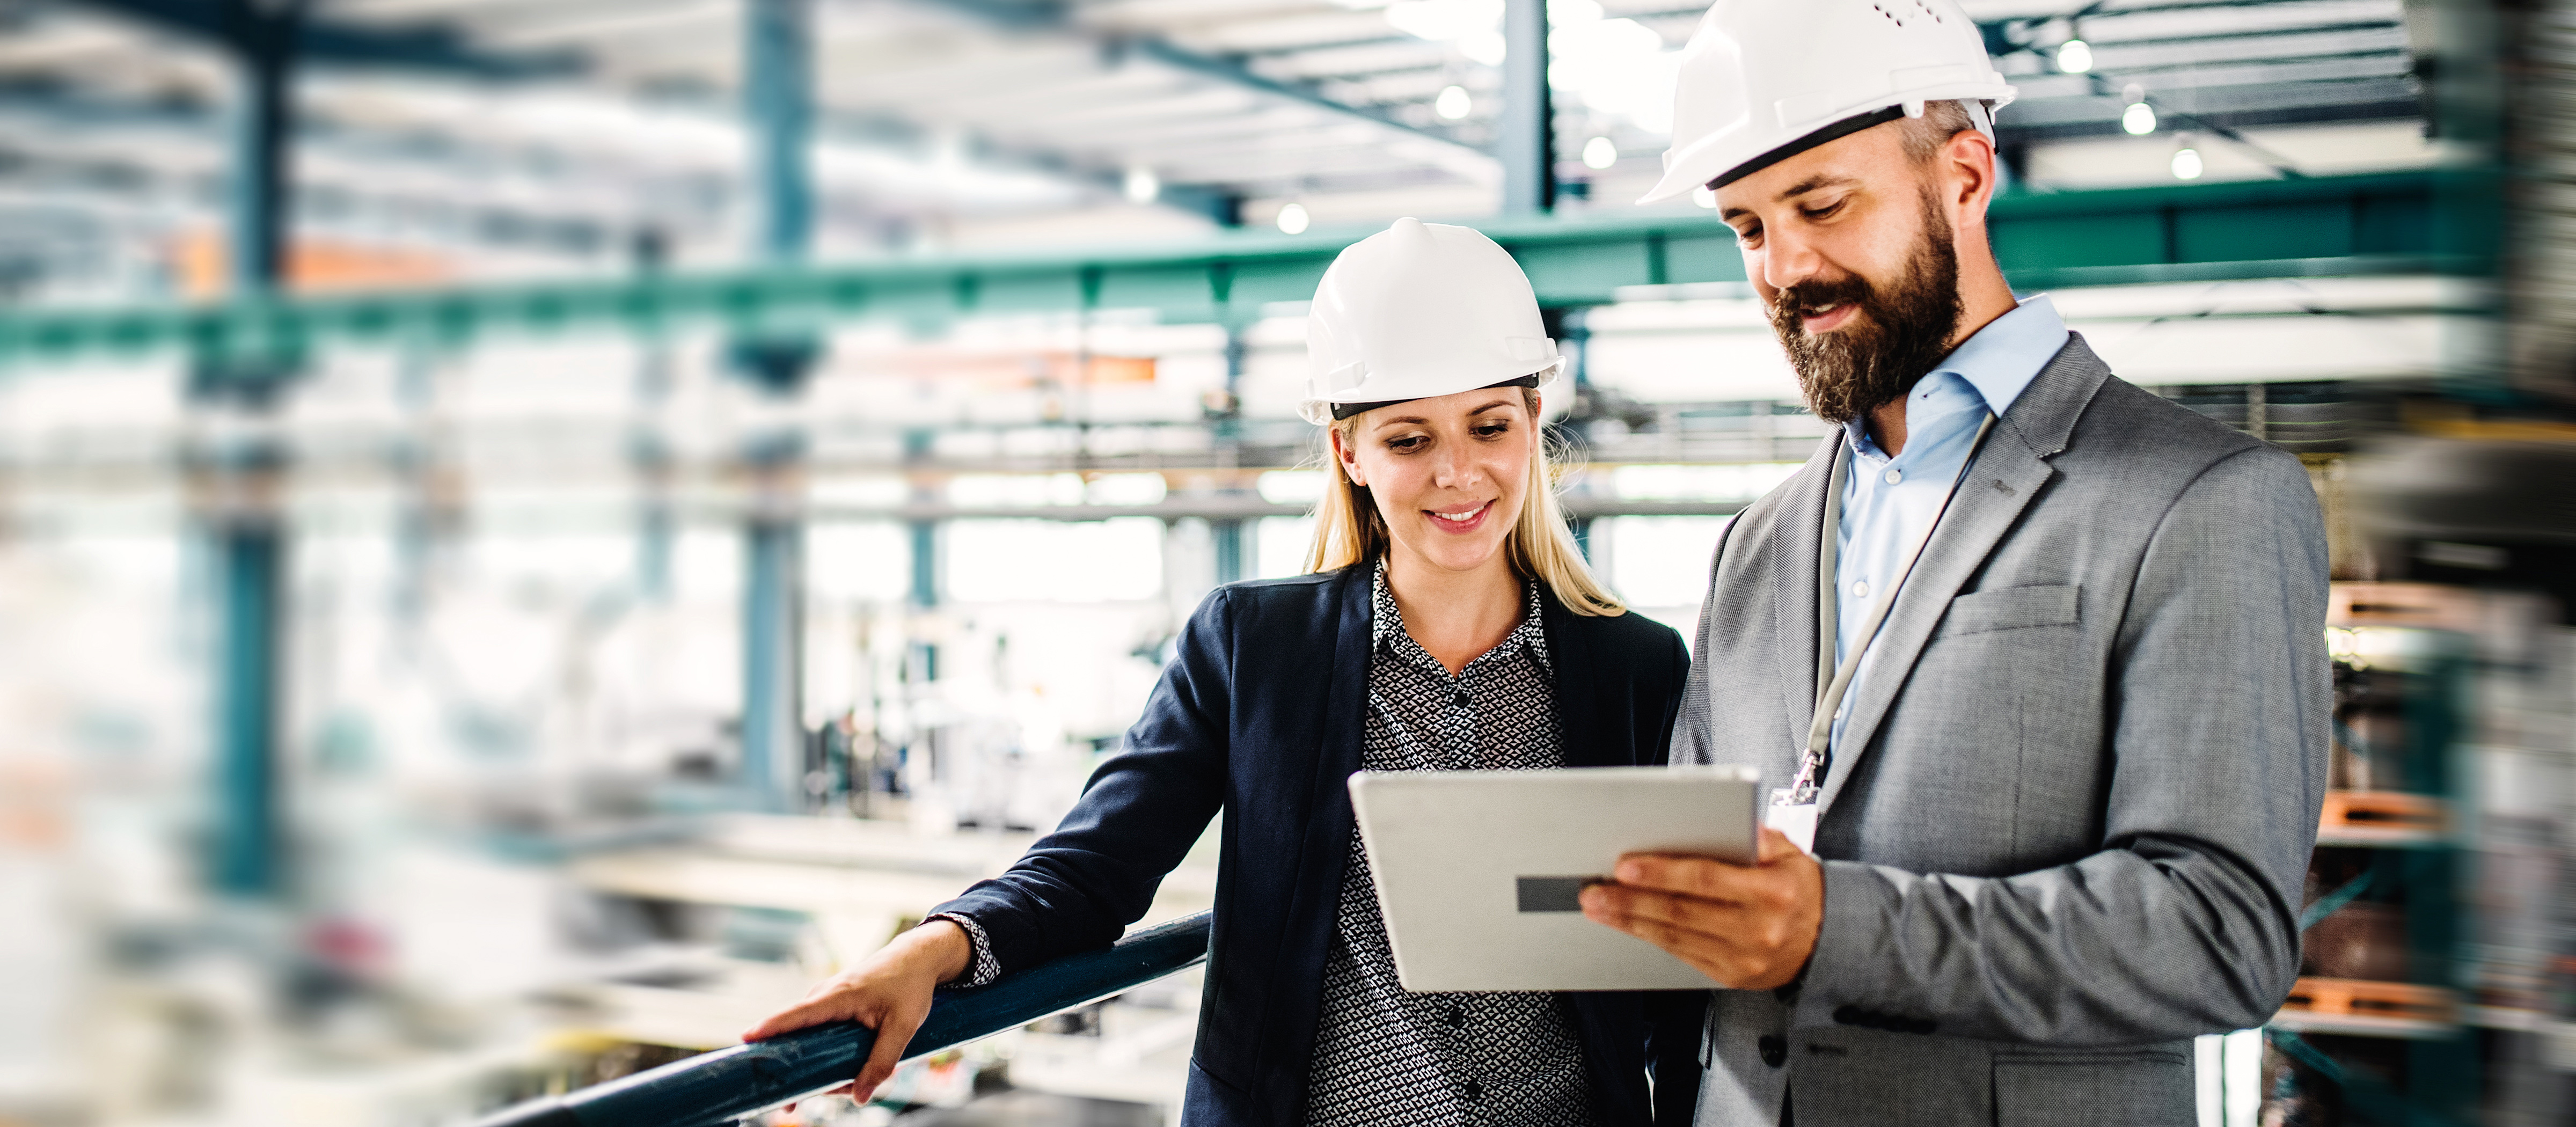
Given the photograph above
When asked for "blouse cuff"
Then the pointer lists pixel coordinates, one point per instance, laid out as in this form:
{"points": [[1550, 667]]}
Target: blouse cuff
{"points": [[982, 968]]}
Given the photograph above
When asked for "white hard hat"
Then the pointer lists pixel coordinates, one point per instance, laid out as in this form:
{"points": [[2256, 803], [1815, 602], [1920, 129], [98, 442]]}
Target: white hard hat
{"points": [[1421, 310], [1763, 80]]}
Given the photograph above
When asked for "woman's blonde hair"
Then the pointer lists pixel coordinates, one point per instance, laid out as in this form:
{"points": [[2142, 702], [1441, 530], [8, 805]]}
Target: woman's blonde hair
{"points": [[1349, 529]]}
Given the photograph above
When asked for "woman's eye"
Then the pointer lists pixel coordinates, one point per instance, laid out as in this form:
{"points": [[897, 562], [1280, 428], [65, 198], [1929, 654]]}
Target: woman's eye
{"points": [[1495, 430], [1407, 445]]}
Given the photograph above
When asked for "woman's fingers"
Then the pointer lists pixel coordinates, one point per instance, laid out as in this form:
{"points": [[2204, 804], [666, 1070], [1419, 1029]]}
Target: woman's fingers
{"points": [[807, 1013], [894, 1032]]}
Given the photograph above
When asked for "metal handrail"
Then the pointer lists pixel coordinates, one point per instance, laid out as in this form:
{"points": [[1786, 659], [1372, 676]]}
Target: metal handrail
{"points": [[727, 1084]]}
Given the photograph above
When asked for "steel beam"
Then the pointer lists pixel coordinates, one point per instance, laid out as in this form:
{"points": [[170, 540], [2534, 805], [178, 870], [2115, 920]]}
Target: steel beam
{"points": [[773, 649], [250, 564], [1527, 130], [778, 89], [1057, 16], [2316, 227], [245, 531], [327, 42]]}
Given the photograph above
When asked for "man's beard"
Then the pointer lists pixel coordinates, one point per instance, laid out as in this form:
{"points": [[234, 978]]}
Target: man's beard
{"points": [[1894, 337]]}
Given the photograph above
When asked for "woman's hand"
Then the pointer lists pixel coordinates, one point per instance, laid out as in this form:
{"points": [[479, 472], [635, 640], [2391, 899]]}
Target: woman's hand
{"points": [[888, 992]]}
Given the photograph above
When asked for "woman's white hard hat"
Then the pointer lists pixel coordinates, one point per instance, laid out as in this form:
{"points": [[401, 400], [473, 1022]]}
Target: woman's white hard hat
{"points": [[1763, 80], [1421, 310]]}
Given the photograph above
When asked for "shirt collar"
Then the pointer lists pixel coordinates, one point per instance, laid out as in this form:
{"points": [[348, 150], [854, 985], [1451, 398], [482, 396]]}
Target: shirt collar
{"points": [[2002, 358], [1386, 625], [1997, 363]]}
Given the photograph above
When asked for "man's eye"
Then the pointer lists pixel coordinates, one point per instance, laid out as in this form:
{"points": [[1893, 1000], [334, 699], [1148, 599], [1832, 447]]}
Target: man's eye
{"points": [[1825, 212]]}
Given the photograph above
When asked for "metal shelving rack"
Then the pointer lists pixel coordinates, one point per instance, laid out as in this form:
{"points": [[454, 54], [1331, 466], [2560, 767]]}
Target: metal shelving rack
{"points": [[2415, 820]]}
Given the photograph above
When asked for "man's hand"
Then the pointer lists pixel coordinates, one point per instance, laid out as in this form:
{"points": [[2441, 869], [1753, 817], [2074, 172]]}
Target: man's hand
{"points": [[888, 992], [1748, 928]]}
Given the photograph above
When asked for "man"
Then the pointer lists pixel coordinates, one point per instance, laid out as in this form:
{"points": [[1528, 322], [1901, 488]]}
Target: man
{"points": [[2061, 807]]}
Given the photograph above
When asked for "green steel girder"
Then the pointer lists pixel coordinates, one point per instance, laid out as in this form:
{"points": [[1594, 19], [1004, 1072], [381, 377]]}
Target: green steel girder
{"points": [[2321, 226]]}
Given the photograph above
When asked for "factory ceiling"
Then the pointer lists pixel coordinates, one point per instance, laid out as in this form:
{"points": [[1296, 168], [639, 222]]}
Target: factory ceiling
{"points": [[541, 134]]}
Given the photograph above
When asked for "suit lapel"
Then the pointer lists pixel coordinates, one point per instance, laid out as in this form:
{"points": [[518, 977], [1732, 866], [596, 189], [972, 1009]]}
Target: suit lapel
{"points": [[1345, 715], [1569, 653], [1792, 559], [2006, 476]]}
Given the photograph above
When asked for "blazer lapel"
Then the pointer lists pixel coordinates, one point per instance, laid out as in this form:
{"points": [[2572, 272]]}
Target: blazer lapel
{"points": [[1569, 651], [2002, 482], [1792, 558], [1345, 715]]}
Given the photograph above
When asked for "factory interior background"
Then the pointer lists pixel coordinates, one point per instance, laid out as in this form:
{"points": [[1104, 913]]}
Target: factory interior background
{"points": [[532, 530]]}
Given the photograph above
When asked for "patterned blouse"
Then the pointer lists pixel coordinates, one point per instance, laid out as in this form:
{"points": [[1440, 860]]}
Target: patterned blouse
{"points": [[1382, 1055], [1385, 1056]]}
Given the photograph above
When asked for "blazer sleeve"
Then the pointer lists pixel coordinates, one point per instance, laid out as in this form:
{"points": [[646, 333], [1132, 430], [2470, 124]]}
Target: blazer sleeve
{"points": [[2186, 921], [1674, 1018], [1079, 887]]}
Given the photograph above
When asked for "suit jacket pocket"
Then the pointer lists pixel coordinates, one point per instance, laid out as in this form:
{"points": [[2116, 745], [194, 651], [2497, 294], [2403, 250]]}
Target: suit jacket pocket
{"points": [[2010, 608], [2135, 1088]]}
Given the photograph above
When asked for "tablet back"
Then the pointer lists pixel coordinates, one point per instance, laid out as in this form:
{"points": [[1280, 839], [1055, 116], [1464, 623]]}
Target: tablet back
{"points": [[1478, 871]]}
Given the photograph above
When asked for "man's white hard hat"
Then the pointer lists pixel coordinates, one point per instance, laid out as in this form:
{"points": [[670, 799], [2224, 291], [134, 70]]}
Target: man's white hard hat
{"points": [[1765, 80], [1421, 310]]}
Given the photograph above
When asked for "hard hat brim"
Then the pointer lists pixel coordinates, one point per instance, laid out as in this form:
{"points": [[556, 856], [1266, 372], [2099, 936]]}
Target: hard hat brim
{"points": [[1706, 164], [1325, 412]]}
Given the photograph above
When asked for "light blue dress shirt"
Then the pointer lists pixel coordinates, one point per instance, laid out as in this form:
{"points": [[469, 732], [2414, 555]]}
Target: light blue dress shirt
{"points": [[1888, 503]]}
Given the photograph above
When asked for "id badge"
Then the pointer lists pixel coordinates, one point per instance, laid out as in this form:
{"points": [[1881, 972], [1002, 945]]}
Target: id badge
{"points": [[1794, 819]]}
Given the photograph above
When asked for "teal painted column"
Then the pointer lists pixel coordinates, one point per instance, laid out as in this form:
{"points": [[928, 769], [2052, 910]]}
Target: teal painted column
{"points": [[778, 98], [1225, 417], [245, 531], [1526, 133], [250, 566]]}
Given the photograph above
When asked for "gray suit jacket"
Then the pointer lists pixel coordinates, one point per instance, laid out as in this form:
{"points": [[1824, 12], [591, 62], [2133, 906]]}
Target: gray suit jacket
{"points": [[2068, 825]]}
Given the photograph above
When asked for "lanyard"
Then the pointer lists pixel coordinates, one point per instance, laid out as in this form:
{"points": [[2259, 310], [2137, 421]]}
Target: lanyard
{"points": [[1833, 683]]}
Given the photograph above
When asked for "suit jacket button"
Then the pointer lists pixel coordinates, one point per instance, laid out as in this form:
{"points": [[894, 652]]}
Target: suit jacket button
{"points": [[1775, 1050], [1847, 1015]]}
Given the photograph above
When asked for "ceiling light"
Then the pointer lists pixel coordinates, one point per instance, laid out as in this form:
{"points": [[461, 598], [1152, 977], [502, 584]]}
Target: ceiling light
{"points": [[2074, 56], [1600, 152], [1292, 219], [1705, 197], [2139, 119], [1142, 185], [1454, 103], [1487, 47], [2186, 164]]}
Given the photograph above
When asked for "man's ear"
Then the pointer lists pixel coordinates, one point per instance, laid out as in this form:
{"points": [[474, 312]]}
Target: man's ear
{"points": [[1343, 453], [1967, 169]]}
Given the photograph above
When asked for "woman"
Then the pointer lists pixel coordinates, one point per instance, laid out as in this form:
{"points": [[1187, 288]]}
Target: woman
{"points": [[1447, 622]]}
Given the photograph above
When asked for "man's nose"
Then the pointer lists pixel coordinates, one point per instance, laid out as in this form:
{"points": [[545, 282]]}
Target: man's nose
{"points": [[1788, 260]]}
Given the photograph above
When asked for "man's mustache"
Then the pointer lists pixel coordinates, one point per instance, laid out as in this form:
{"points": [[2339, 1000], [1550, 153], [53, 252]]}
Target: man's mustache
{"points": [[1794, 302]]}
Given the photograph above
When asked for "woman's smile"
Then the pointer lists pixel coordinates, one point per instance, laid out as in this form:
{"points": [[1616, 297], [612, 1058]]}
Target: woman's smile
{"points": [[1460, 518]]}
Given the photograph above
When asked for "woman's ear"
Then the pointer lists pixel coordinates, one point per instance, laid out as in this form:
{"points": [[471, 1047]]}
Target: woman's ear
{"points": [[1348, 457]]}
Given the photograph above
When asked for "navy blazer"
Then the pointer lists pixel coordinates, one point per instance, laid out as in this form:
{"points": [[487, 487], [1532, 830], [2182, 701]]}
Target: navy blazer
{"points": [[1260, 714]]}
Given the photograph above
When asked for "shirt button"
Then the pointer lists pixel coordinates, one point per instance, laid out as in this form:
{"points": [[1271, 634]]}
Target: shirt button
{"points": [[1475, 1091], [1860, 588], [1894, 475], [1461, 699], [1455, 1017]]}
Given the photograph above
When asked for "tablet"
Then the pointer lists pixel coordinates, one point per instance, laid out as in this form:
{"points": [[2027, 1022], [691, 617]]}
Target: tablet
{"points": [[1478, 871]]}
